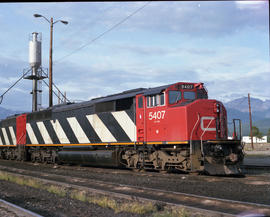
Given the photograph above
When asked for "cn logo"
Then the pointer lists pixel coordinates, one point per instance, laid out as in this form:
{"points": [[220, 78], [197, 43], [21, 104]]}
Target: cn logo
{"points": [[206, 121]]}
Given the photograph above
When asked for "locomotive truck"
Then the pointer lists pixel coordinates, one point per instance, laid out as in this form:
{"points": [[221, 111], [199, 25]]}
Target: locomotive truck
{"points": [[171, 127]]}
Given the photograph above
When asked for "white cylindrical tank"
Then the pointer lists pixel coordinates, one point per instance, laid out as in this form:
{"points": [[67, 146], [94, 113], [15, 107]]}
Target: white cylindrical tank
{"points": [[35, 51]]}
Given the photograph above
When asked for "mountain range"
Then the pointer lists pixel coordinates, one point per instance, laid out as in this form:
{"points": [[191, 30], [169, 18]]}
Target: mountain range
{"points": [[236, 109], [7, 112], [260, 111]]}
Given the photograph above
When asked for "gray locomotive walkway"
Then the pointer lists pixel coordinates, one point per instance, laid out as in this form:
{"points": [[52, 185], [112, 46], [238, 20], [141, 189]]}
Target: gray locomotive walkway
{"points": [[10, 210]]}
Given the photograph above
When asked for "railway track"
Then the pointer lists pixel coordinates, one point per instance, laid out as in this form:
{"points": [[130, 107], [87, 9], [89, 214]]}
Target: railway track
{"points": [[196, 203], [256, 169], [12, 210]]}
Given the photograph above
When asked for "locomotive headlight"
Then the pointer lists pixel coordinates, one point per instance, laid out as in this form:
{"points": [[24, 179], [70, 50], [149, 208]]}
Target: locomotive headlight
{"points": [[216, 107]]}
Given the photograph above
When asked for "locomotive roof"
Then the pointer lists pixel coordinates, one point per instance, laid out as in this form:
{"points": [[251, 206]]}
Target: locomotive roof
{"points": [[113, 97]]}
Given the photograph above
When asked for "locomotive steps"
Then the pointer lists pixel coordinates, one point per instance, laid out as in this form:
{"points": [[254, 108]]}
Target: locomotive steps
{"points": [[128, 198]]}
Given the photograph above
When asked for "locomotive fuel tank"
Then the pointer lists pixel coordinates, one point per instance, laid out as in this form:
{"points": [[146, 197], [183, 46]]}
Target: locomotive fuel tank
{"points": [[88, 156]]}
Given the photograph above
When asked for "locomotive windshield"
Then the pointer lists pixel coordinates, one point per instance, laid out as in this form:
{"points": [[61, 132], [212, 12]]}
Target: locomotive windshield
{"points": [[174, 96], [189, 95]]}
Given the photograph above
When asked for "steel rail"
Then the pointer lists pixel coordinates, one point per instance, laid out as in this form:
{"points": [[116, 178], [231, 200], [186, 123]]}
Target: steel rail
{"points": [[17, 209]]}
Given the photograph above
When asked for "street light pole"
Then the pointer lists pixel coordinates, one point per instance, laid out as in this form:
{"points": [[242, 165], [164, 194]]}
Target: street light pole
{"points": [[51, 55], [50, 65]]}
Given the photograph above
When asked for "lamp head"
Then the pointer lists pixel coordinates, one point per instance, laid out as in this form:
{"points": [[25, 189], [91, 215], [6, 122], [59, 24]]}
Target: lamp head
{"points": [[37, 15], [65, 22]]}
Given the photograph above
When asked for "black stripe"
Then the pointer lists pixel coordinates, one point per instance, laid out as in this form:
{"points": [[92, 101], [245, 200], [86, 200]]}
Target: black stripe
{"points": [[87, 128], [2, 137], [9, 136], [51, 132], [15, 132], [37, 133], [28, 141], [131, 114], [68, 131], [114, 127]]}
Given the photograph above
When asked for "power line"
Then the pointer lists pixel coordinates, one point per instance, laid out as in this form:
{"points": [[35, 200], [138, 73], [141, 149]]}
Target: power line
{"points": [[102, 34], [2, 96], [87, 24], [56, 88]]}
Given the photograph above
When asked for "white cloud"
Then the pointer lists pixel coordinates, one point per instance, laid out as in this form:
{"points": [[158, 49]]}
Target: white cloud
{"points": [[251, 5]]}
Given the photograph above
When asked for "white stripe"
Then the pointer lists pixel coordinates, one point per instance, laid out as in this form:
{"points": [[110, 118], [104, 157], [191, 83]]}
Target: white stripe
{"points": [[44, 133], [5, 136], [101, 130], [77, 130], [13, 135], [59, 132], [31, 134], [126, 123], [1, 142]]}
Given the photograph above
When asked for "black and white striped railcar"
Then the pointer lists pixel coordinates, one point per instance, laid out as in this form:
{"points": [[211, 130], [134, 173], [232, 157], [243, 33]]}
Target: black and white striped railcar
{"points": [[101, 123]]}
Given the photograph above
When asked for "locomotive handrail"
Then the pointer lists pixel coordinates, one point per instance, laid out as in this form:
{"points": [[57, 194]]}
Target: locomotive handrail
{"points": [[192, 133], [203, 134], [240, 129]]}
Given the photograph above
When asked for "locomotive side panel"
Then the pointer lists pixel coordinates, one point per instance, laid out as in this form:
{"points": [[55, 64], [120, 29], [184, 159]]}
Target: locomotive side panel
{"points": [[166, 124], [176, 124], [8, 131], [36, 130], [202, 120], [85, 126], [81, 125], [21, 129]]}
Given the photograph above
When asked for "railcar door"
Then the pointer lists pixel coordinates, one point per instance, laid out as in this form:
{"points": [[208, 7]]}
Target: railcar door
{"points": [[140, 118]]}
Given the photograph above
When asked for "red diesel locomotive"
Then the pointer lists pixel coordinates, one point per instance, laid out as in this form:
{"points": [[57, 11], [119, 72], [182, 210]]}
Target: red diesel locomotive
{"points": [[171, 127]]}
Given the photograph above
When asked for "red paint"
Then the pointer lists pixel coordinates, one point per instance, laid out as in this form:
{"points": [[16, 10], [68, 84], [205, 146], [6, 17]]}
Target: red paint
{"points": [[21, 129], [182, 121], [140, 118]]}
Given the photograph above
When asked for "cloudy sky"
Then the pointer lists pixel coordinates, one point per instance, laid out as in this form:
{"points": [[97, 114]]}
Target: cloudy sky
{"points": [[222, 44]]}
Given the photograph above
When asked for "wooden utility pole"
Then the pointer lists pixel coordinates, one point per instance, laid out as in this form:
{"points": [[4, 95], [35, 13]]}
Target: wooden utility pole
{"points": [[51, 55], [50, 65], [250, 121]]}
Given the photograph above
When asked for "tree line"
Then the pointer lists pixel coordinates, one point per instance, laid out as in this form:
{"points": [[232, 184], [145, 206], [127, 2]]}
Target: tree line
{"points": [[257, 133]]}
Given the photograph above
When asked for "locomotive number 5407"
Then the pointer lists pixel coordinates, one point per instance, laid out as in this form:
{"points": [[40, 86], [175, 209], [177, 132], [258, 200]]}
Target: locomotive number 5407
{"points": [[156, 115]]}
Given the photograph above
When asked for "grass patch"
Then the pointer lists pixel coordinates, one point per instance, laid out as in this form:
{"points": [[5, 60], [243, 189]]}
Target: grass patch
{"points": [[78, 195], [138, 208], [172, 213], [56, 190], [104, 202]]}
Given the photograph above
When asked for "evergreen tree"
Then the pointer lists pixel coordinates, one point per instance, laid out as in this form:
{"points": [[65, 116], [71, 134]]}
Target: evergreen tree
{"points": [[256, 133], [268, 136]]}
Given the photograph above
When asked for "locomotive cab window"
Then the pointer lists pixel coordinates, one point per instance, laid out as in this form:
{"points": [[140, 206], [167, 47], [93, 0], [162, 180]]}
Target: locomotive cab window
{"points": [[156, 100], [174, 96], [162, 99], [189, 95], [140, 102]]}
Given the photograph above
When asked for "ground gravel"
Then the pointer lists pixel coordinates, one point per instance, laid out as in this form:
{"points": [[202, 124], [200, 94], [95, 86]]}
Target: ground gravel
{"points": [[254, 189]]}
